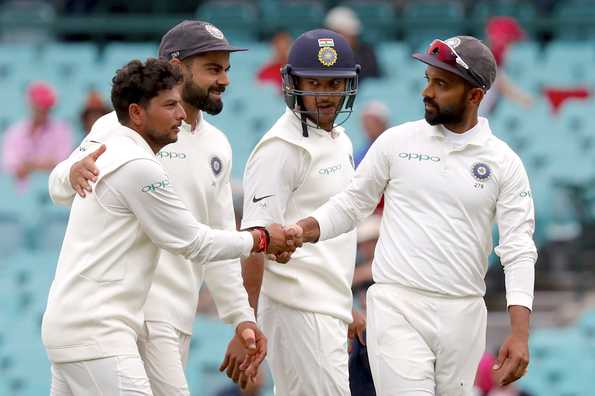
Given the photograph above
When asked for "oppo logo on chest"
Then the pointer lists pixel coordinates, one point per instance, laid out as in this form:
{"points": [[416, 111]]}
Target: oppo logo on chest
{"points": [[330, 170], [419, 157], [170, 155]]}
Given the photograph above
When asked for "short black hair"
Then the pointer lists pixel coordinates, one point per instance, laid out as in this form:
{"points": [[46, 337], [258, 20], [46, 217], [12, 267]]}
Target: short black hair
{"points": [[139, 82]]}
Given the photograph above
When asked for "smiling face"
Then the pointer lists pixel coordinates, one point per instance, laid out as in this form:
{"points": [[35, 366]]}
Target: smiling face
{"points": [[322, 110], [205, 79], [161, 118]]}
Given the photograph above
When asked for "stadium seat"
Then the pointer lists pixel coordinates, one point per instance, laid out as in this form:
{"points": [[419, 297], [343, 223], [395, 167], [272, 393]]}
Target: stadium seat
{"points": [[26, 21], [378, 18], [295, 16], [576, 20], [237, 19], [446, 19], [523, 11]]}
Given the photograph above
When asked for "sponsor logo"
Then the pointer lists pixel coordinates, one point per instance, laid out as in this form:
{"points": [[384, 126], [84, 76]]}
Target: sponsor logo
{"points": [[481, 171], [525, 194], [419, 157], [162, 184], [171, 155], [255, 200], [453, 42], [216, 165], [331, 170]]}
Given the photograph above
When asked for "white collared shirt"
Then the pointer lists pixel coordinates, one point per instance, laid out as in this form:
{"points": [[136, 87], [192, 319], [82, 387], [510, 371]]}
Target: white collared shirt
{"points": [[441, 201]]}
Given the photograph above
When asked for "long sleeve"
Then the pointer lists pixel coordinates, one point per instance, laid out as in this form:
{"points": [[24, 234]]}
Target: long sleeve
{"points": [[61, 192], [516, 222], [345, 210], [144, 189], [224, 278]]}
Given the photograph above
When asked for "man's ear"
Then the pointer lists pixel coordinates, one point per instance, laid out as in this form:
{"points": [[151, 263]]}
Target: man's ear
{"points": [[136, 113], [476, 95]]}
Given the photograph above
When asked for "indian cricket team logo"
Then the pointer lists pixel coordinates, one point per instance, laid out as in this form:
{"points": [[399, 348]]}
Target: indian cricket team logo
{"points": [[481, 172], [216, 165], [213, 31], [453, 42], [327, 56]]}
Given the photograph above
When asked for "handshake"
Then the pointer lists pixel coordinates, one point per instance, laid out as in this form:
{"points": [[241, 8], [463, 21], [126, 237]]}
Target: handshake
{"points": [[277, 242]]}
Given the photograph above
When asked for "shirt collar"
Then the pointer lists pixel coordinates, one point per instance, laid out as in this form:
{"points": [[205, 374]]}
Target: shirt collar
{"points": [[134, 135], [483, 132], [295, 121]]}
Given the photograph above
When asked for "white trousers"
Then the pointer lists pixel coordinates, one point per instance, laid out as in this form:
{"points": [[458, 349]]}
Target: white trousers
{"points": [[113, 376], [307, 351], [164, 351], [423, 344]]}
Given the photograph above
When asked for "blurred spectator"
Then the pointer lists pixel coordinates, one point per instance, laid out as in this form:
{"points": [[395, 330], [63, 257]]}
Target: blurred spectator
{"points": [[502, 32], [344, 21], [39, 142], [254, 388], [94, 108], [270, 72], [375, 118]]}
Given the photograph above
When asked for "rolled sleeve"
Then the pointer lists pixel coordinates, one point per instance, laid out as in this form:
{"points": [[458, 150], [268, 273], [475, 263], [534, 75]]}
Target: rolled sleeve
{"points": [[516, 223]]}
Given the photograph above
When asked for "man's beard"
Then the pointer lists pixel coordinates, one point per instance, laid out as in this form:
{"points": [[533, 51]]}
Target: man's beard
{"points": [[200, 98], [452, 114]]}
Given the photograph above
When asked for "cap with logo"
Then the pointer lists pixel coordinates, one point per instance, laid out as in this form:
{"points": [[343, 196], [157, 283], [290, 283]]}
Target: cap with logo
{"points": [[465, 56], [190, 38]]}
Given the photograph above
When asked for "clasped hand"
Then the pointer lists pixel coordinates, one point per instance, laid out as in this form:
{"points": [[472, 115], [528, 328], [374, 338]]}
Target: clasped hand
{"points": [[284, 241]]}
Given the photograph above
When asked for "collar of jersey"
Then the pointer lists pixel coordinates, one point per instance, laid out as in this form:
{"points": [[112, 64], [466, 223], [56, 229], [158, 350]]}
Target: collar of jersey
{"points": [[295, 121], [480, 138], [138, 139]]}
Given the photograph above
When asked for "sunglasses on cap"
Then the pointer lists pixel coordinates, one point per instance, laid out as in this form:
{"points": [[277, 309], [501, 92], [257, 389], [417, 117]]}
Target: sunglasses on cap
{"points": [[446, 54]]}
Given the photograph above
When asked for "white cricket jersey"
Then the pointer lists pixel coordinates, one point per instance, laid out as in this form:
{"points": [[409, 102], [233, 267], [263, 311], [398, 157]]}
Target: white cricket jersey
{"points": [[288, 176], [441, 199], [110, 251], [199, 166]]}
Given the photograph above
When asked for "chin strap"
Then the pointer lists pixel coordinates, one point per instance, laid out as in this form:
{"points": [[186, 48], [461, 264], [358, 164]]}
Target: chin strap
{"points": [[304, 125]]}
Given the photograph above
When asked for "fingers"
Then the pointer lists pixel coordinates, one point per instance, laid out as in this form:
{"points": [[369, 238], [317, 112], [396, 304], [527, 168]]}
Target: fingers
{"points": [[243, 381], [248, 339], [361, 335], [225, 362], [80, 191], [283, 258], [502, 354], [97, 153], [230, 368]]}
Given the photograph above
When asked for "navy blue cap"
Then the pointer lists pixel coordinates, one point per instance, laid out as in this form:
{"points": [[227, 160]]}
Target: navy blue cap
{"points": [[321, 53], [190, 38]]}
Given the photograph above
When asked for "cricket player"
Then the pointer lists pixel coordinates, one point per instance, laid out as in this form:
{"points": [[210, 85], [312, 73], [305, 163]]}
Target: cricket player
{"points": [[446, 179], [199, 165], [94, 314], [305, 307]]}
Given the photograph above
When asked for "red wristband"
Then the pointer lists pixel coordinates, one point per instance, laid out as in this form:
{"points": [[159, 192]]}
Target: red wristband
{"points": [[263, 240]]}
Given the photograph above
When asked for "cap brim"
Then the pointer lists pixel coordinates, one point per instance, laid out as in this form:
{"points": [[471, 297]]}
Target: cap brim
{"points": [[433, 61], [222, 48], [340, 73]]}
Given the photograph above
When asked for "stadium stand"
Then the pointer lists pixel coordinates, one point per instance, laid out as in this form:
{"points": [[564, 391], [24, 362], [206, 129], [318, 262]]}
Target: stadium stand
{"points": [[558, 149]]}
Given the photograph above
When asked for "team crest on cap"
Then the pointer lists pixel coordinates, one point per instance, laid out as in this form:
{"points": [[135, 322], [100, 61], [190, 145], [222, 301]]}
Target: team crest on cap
{"points": [[215, 32], [327, 56], [216, 165], [453, 42], [481, 171]]}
